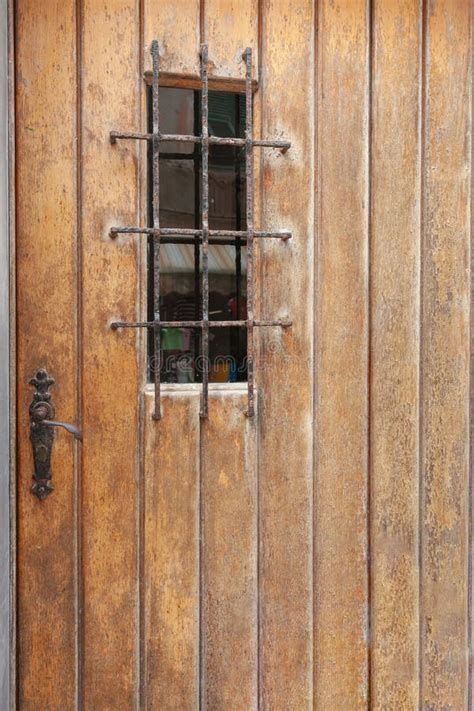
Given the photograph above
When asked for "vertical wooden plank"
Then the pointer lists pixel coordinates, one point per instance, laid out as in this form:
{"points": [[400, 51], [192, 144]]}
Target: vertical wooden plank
{"points": [[230, 26], [7, 367], [171, 465], [229, 632], [445, 356], [284, 371], [341, 605], [171, 552], [110, 100], [395, 316], [176, 27], [46, 253], [229, 585]]}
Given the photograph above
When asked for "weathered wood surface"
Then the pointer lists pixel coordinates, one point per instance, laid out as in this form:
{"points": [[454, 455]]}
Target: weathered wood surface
{"points": [[46, 309], [176, 25], [171, 553], [341, 358], [285, 374], [444, 525], [229, 27], [110, 376], [318, 556], [395, 352], [229, 538]]}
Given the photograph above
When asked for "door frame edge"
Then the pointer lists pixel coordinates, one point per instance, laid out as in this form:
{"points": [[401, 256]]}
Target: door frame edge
{"points": [[7, 363]]}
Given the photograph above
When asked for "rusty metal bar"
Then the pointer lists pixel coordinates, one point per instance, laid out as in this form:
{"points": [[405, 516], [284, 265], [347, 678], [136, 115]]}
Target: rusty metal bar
{"points": [[205, 228], [238, 242], [156, 226], [203, 236], [186, 232], [282, 323], [214, 140], [249, 187], [197, 221]]}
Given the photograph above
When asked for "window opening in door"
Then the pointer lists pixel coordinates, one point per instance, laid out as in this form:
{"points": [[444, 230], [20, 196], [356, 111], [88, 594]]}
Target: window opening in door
{"points": [[180, 166], [204, 234]]}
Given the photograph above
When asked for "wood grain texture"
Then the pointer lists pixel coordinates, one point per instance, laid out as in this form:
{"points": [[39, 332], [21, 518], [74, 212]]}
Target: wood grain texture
{"points": [[341, 448], [46, 282], [229, 535], [284, 371], [175, 24], [445, 356], [229, 27], [171, 552], [395, 352], [252, 540], [110, 100]]}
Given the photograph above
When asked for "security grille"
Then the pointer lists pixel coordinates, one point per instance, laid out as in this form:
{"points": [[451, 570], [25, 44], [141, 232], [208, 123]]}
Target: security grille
{"points": [[203, 236]]}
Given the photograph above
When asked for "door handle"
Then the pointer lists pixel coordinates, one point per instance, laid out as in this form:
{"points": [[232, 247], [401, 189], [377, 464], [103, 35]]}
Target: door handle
{"points": [[65, 425], [42, 433]]}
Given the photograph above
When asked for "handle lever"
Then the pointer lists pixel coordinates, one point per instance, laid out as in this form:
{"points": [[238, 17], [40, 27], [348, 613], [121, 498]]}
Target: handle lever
{"points": [[65, 425], [42, 433]]}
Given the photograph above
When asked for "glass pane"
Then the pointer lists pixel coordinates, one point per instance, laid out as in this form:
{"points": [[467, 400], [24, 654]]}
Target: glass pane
{"points": [[181, 263], [177, 116]]}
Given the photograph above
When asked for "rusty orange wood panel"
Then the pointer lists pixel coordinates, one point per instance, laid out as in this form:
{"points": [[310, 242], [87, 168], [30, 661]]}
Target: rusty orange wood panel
{"points": [[229, 540], [318, 556], [445, 546], [341, 360], [176, 25], [229, 27], [170, 552], [285, 376], [395, 352], [110, 378], [46, 250]]}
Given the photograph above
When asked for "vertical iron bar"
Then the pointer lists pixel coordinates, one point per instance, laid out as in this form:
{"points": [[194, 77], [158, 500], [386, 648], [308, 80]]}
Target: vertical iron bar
{"points": [[156, 224], [205, 228], [197, 225], [238, 226], [249, 205]]}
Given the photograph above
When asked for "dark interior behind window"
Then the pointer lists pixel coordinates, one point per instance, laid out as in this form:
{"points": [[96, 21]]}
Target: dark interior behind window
{"points": [[180, 195]]}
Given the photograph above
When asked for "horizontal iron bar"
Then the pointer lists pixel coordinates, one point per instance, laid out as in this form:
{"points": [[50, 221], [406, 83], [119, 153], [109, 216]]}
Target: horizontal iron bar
{"points": [[177, 232], [199, 324], [216, 140]]}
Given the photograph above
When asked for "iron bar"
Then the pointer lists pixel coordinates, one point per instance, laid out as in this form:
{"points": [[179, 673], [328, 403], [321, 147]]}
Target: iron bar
{"points": [[242, 323], [202, 235], [247, 56], [185, 232], [214, 140], [197, 220], [238, 226], [205, 228], [156, 226]]}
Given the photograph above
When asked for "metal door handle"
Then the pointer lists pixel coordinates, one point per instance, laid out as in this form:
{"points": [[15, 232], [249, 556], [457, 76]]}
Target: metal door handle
{"points": [[65, 425], [42, 433]]}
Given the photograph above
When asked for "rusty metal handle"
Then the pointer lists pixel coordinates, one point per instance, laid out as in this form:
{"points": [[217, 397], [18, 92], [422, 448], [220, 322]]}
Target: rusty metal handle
{"points": [[65, 425], [42, 433]]}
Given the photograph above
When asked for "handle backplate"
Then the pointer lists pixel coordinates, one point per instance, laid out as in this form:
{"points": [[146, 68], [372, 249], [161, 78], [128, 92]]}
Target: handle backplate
{"points": [[42, 433]]}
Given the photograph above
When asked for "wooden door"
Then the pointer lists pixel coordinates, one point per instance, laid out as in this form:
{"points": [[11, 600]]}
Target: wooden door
{"points": [[315, 555]]}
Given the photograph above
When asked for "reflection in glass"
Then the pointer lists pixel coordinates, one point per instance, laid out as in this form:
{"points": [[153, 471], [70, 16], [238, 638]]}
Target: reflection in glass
{"points": [[181, 282]]}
